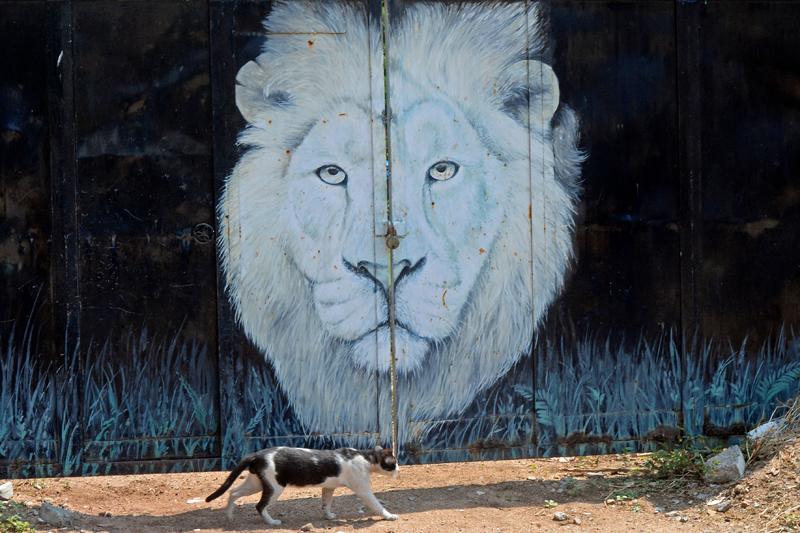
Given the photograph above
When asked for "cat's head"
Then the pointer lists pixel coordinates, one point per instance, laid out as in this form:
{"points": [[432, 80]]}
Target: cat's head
{"points": [[383, 461]]}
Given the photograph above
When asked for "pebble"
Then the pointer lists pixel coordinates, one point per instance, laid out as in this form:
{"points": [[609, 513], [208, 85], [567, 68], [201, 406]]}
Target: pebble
{"points": [[560, 516], [724, 506], [658, 510], [307, 527], [576, 521], [671, 513], [6, 491], [480, 492], [683, 519]]}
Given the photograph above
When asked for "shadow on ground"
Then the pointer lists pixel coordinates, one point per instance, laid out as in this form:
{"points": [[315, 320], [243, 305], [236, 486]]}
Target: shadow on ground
{"points": [[296, 512]]}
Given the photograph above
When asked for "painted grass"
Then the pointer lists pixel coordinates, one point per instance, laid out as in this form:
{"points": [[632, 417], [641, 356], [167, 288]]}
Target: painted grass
{"points": [[153, 397], [149, 397], [143, 397]]}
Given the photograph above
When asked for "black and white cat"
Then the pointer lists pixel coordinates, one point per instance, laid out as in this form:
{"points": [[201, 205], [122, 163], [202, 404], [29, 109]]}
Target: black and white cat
{"points": [[271, 470]]}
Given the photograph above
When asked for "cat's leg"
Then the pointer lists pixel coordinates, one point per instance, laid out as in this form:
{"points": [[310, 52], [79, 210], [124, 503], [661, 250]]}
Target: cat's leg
{"points": [[327, 500], [249, 486], [364, 491], [271, 491]]}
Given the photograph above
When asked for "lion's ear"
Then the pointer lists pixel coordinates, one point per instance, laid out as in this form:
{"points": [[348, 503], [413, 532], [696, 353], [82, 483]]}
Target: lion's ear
{"points": [[253, 94], [530, 90]]}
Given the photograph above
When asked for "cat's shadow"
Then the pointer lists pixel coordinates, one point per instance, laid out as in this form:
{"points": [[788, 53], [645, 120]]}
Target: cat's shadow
{"points": [[296, 512]]}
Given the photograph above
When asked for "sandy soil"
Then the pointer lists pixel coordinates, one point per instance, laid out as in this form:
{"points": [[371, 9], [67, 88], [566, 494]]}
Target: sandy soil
{"points": [[596, 493]]}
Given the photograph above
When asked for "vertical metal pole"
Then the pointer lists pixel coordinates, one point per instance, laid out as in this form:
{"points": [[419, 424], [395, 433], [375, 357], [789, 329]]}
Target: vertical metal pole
{"points": [[392, 241]]}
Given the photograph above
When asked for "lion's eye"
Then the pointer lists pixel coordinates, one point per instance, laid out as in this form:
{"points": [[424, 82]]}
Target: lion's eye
{"points": [[443, 170], [331, 174]]}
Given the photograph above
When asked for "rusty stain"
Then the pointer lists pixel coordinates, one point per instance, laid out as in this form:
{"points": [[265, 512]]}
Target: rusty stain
{"points": [[487, 444], [433, 204], [288, 152], [530, 212], [754, 229], [310, 43], [444, 303], [663, 433], [136, 106], [269, 121], [481, 251], [712, 430], [342, 114]]}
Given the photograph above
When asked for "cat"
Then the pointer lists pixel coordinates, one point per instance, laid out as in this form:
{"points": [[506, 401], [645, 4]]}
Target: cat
{"points": [[272, 469]]}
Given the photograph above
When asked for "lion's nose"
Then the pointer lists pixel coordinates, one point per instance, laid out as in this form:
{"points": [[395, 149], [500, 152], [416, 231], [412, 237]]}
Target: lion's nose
{"points": [[378, 273]]}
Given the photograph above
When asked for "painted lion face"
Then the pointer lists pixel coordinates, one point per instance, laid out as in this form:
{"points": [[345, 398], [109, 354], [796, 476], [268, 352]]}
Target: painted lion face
{"points": [[482, 199]]}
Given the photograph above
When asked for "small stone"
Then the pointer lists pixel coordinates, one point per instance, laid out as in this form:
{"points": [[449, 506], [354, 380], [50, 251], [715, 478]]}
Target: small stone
{"points": [[726, 466], [563, 460], [480, 492], [610, 501], [55, 515], [683, 519], [773, 426], [744, 505], [671, 514], [724, 506], [715, 501], [740, 489], [595, 475], [106, 514], [576, 521], [6, 491], [658, 510], [529, 478], [307, 527], [412, 498], [560, 516]]}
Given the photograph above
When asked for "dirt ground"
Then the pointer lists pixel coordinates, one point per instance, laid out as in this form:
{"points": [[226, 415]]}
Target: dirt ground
{"points": [[596, 493]]}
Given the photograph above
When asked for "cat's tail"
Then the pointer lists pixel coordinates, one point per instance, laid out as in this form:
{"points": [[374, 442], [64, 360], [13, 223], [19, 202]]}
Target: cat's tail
{"points": [[241, 467]]}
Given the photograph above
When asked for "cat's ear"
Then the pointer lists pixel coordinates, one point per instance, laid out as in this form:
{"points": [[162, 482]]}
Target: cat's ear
{"points": [[378, 449]]}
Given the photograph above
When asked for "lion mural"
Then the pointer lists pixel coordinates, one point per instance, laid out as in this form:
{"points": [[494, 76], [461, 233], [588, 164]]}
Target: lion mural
{"points": [[484, 184]]}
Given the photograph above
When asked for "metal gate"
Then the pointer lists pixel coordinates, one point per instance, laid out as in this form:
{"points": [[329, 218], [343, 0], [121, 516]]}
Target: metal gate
{"points": [[222, 231]]}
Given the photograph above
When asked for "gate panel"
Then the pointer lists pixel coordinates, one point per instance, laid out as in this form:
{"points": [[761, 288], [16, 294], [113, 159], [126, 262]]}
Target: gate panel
{"points": [[28, 437], [146, 224], [482, 253], [608, 365], [747, 355], [300, 246]]}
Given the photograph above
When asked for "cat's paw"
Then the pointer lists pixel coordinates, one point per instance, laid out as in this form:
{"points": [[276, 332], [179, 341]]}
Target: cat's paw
{"points": [[274, 522], [330, 516], [390, 516]]}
